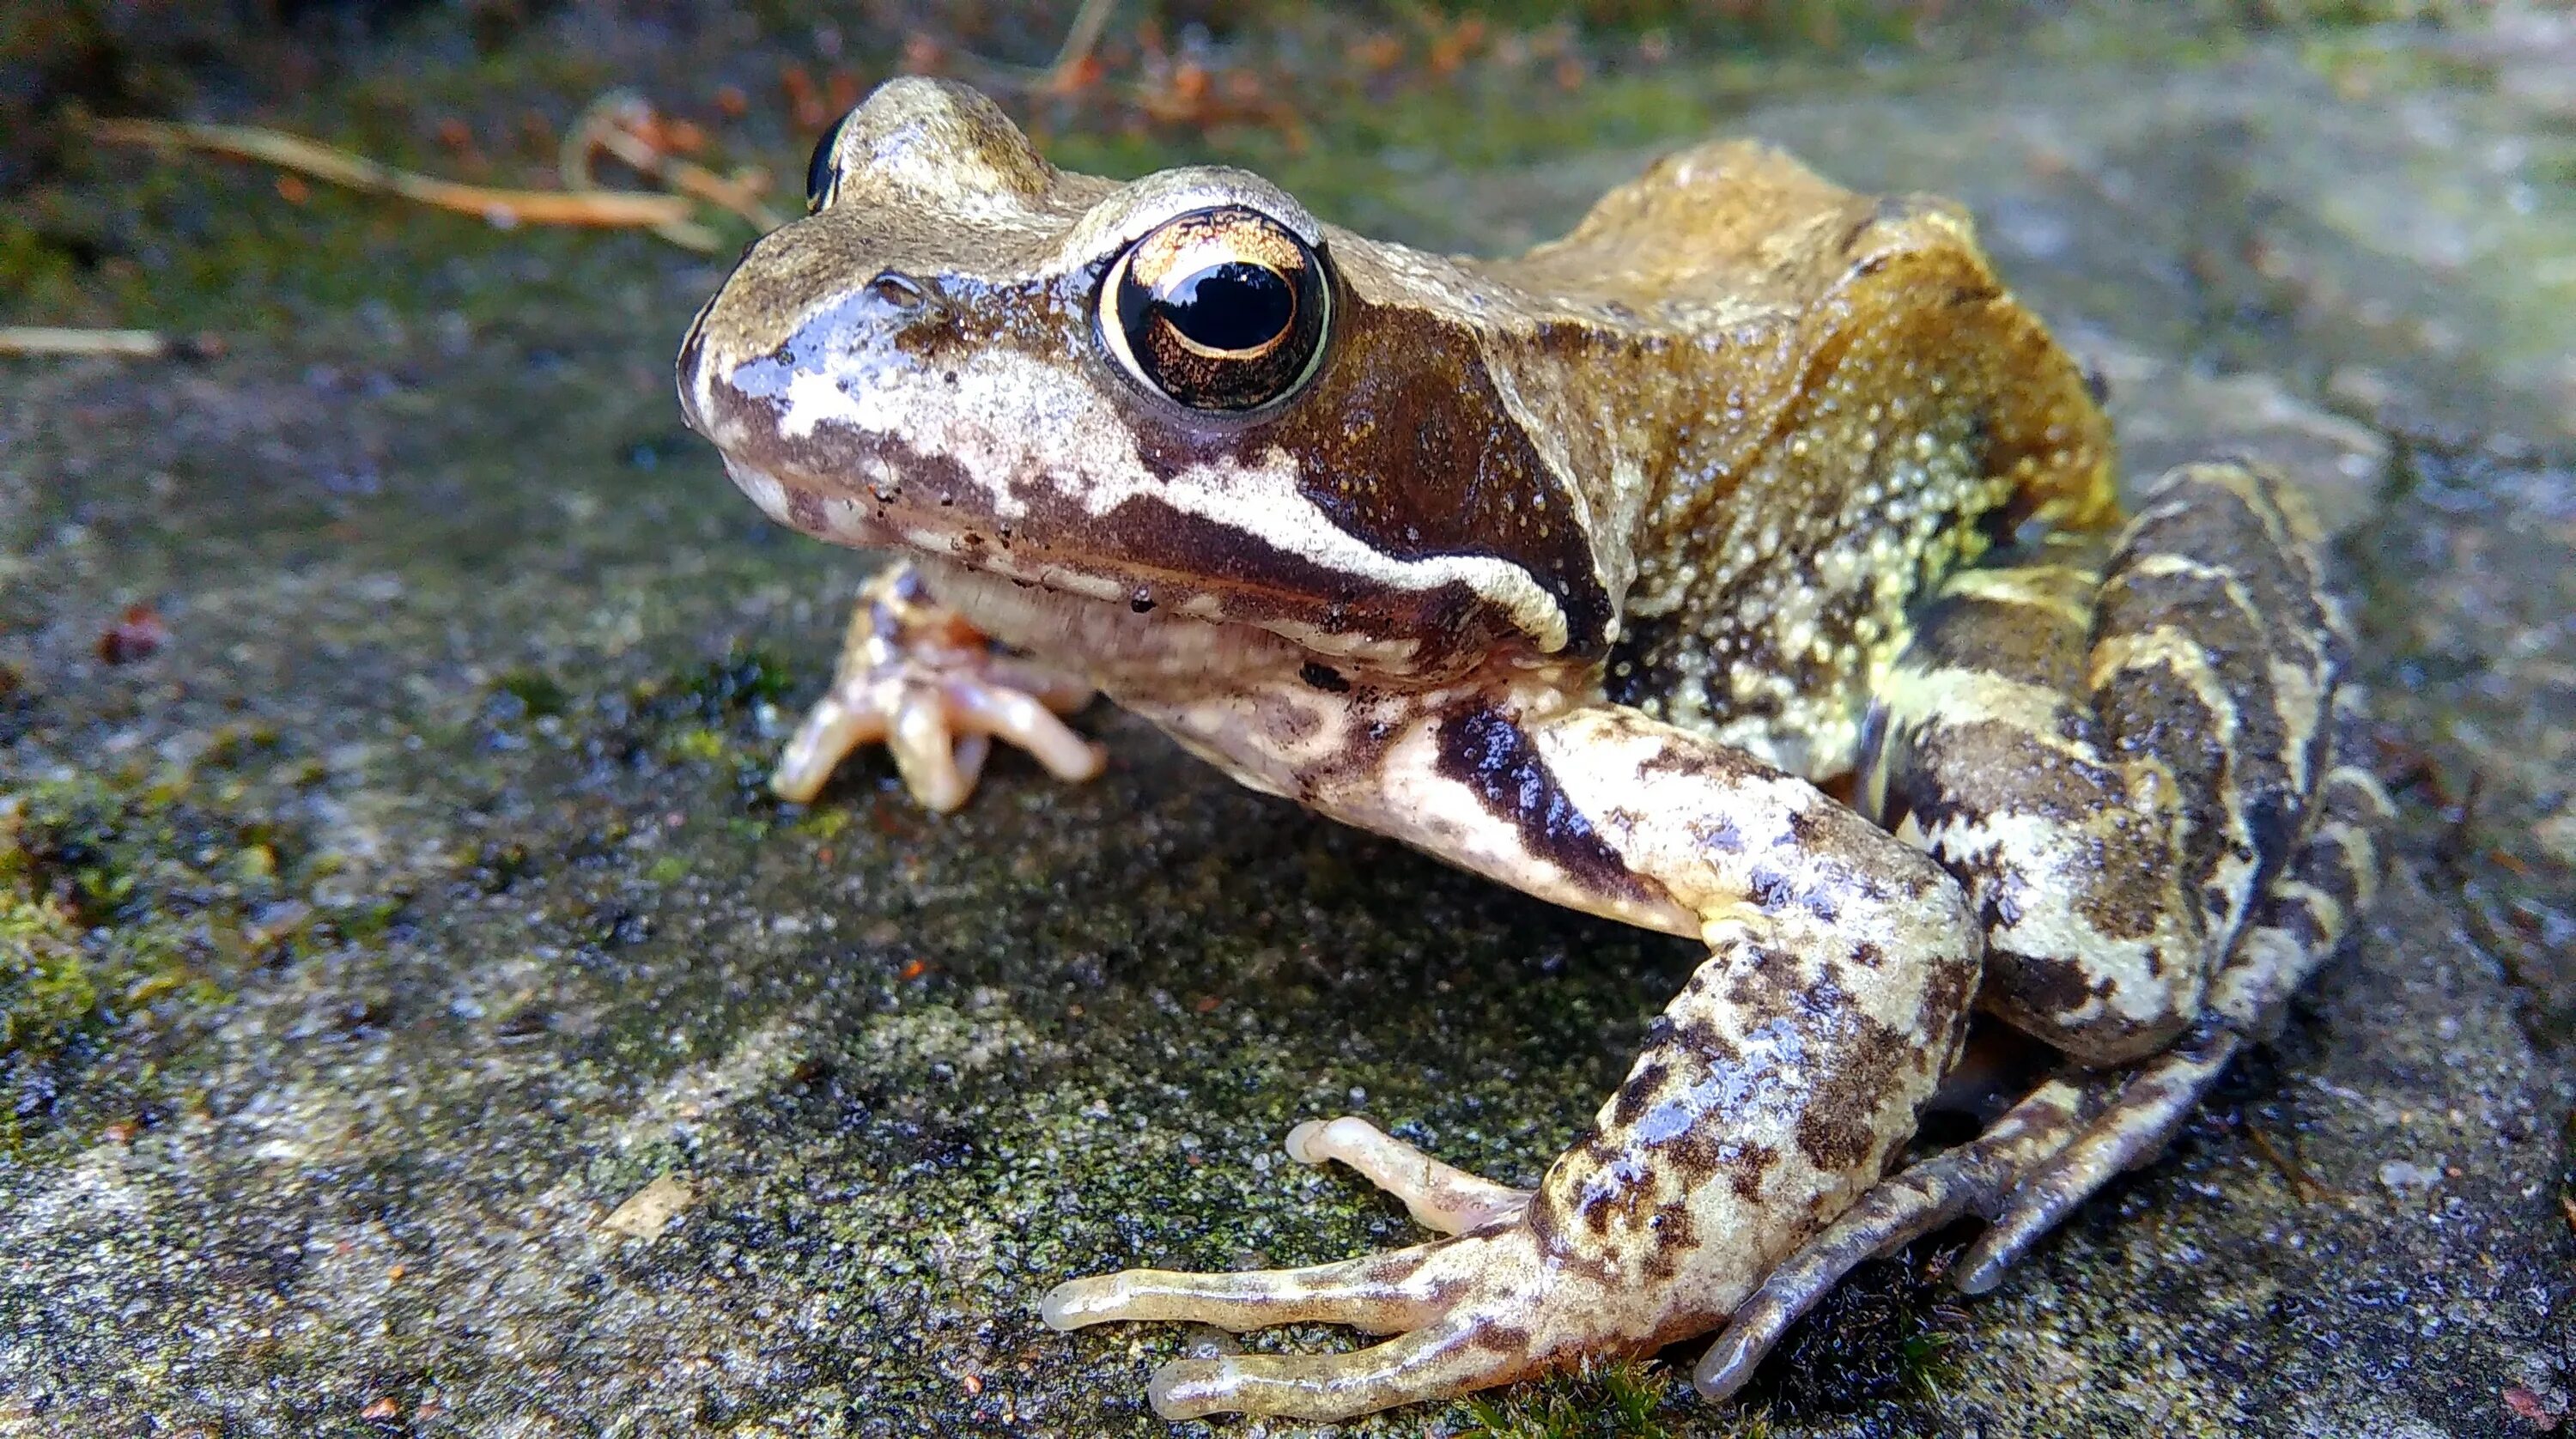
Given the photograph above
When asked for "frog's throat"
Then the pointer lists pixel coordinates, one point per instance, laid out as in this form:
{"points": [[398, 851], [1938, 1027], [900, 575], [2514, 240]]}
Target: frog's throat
{"points": [[1133, 656]]}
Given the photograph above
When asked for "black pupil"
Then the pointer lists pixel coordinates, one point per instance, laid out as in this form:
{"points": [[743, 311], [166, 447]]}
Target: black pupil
{"points": [[818, 169], [1232, 306]]}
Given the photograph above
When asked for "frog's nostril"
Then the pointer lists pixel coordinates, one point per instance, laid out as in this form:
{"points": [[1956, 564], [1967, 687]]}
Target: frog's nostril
{"points": [[897, 290]]}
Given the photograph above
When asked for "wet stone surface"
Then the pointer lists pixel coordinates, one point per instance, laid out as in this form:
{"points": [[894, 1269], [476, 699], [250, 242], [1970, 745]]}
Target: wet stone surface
{"points": [[521, 1068]]}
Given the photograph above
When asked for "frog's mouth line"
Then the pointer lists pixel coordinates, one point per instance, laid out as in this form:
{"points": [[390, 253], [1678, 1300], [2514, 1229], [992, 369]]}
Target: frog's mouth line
{"points": [[808, 510], [1078, 620], [828, 512], [1110, 627], [1135, 655]]}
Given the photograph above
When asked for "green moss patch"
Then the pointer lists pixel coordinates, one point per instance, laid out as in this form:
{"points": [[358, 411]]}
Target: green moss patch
{"points": [[125, 910], [1631, 1400]]}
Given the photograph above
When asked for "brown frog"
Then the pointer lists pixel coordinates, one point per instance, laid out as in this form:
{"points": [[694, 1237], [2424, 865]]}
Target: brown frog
{"points": [[1585, 570]]}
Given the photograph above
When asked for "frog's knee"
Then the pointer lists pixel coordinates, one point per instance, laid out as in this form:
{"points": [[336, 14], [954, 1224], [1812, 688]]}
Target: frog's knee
{"points": [[2094, 1011]]}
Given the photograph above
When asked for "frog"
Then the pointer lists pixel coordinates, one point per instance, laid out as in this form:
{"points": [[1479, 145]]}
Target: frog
{"points": [[1747, 565]]}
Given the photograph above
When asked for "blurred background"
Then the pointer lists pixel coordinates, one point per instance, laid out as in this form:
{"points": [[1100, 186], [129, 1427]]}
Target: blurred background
{"points": [[1340, 102]]}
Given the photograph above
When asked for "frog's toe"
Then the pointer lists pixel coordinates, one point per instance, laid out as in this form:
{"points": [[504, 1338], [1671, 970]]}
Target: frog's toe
{"points": [[1026, 716], [1473, 1311], [1381, 1293], [1975, 1178], [1426, 1364], [837, 725], [1440, 1196], [2152, 1102], [938, 764]]}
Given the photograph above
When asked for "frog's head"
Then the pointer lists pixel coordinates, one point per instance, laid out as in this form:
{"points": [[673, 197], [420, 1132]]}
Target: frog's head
{"points": [[1183, 396]]}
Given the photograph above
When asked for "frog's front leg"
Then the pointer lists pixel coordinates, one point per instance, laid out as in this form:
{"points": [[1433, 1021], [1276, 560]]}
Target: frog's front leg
{"points": [[936, 691], [1768, 1096]]}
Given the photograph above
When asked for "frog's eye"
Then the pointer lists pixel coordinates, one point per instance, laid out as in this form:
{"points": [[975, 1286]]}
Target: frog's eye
{"points": [[820, 172], [1220, 309]]}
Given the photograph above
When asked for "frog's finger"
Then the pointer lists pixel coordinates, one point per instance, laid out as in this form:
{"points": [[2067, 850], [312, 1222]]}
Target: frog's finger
{"points": [[1046, 684], [925, 754], [1380, 1293], [1971, 1179], [830, 731], [1440, 1196], [969, 753], [1446, 1359], [1024, 720]]}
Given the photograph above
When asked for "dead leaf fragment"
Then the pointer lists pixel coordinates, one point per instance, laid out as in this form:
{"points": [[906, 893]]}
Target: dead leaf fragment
{"points": [[137, 636], [2530, 1408], [650, 1210]]}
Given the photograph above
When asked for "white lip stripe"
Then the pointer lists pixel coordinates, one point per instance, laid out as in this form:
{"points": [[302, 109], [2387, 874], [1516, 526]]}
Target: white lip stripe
{"points": [[1014, 424]]}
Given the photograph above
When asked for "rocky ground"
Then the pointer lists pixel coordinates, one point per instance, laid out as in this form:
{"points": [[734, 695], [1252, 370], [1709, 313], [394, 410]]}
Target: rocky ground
{"points": [[414, 1016]]}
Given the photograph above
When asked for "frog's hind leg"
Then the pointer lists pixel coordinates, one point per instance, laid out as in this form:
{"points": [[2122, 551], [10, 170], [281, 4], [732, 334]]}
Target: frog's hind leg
{"points": [[2075, 1132], [2239, 827], [2301, 920], [2215, 650], [936, 692], [1764, 1100]]}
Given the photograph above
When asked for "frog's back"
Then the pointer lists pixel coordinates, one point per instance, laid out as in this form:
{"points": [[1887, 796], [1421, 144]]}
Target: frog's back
{"points": [[1826, 402], [1725, 232]]}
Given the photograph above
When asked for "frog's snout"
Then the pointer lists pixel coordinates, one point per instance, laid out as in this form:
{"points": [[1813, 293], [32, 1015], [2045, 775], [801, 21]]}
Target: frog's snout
{"points": [[693, 349]]}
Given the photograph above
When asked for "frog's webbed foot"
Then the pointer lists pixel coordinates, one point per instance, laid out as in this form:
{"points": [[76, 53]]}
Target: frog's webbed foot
{"points": [[916, 676]]}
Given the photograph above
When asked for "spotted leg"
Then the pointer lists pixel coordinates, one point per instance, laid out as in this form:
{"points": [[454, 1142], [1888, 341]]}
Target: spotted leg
{"points": [[2067, 1138], [936, 692], [1768, 1096], [2295, 929], [2151, 789]]}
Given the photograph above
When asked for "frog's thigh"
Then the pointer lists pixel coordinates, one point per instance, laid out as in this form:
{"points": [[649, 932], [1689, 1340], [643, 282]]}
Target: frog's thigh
{"points": [[2276, 921], [936, 693], [2115, 774], [1767, 1096]]}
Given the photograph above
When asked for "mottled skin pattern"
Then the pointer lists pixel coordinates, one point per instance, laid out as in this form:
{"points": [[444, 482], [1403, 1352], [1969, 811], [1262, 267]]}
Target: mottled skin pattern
{"points": [[1581, 570]]}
